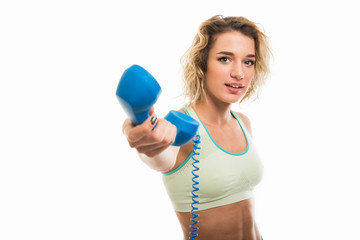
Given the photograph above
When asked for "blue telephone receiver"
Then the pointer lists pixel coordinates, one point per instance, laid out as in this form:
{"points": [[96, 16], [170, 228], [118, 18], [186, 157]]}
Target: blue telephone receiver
{"points": [[138, 91]]}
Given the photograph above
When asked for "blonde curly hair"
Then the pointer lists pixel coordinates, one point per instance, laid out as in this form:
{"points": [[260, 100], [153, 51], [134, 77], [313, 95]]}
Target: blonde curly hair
{"points": [[195, 59]]}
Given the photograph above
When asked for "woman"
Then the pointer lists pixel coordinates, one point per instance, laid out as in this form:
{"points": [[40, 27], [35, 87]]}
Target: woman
{"points": [[226, 64]]}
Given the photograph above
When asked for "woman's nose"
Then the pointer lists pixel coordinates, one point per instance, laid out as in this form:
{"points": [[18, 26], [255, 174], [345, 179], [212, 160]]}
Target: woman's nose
{"points": [[237, 72]]}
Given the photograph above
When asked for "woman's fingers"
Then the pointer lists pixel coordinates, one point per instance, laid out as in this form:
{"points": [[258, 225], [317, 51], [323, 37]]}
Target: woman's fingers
{"points": [[164, 133], [135, 133], [152, 136], [160, 138]]}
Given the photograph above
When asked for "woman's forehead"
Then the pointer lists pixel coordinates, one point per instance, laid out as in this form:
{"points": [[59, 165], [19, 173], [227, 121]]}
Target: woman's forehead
{"points": [[234, 42]]}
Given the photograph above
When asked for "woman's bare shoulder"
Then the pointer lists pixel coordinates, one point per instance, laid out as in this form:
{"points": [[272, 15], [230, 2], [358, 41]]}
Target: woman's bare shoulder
{"points": [[246, 121]]}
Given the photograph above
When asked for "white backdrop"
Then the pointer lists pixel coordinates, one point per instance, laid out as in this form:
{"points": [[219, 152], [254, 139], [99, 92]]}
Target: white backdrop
{"points": [[66, 171]]}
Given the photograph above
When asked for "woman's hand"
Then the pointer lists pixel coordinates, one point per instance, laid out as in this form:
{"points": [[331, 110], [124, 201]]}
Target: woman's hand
{"points": [[151, 137]]}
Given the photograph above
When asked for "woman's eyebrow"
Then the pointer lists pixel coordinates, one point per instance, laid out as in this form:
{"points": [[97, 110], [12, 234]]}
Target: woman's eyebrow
{"points": [[226, 53], [232, 54]]}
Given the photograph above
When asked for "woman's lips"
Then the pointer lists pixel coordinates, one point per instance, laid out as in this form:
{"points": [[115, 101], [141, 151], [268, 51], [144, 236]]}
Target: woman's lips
{"points": [[234, 87]]}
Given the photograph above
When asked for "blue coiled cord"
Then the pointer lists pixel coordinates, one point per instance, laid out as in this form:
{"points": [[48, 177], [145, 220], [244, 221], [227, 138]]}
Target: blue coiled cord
{"points": [[196, 141]]}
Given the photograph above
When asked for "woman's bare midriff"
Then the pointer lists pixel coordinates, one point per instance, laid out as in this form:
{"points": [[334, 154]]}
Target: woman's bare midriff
{"points": [[230, 222]]}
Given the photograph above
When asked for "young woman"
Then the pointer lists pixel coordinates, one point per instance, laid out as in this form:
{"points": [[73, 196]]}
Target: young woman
{"points": [[226, 64]]}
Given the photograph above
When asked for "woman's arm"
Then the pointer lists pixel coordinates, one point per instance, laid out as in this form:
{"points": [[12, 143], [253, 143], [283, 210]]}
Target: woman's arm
{"points": [[164, 161]]}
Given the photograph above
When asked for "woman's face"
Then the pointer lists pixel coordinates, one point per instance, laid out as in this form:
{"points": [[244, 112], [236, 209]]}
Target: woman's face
{"points": [[230, 67]]}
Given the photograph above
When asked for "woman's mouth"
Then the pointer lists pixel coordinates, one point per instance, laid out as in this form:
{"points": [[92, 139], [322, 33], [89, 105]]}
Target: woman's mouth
{"points": [[234, 88], [234, 85]]}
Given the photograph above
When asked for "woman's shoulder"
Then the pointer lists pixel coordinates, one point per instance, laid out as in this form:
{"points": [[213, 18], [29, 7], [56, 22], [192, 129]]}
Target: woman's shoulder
{"points": [[246, 121]]}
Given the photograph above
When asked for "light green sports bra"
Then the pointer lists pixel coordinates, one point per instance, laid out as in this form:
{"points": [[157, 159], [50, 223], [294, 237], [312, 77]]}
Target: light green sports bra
{"points": [[224, 177]]}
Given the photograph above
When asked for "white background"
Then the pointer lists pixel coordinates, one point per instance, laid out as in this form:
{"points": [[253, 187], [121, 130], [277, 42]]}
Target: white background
{"points": [[66, 171]]}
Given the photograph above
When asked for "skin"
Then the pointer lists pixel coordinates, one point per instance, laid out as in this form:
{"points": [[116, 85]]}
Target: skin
{"points": [[230, 62]]}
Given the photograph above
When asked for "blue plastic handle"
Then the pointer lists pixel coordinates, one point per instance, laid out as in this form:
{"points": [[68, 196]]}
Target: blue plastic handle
{"points": [[137, 92], [186, 126]]}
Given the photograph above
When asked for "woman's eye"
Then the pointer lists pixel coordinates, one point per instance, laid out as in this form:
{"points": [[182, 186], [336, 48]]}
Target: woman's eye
{"points": [[224, 59], [250, 62]]}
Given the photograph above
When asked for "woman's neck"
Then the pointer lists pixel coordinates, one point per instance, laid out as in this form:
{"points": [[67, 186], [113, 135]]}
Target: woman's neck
{"points": [[213, 114]]}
